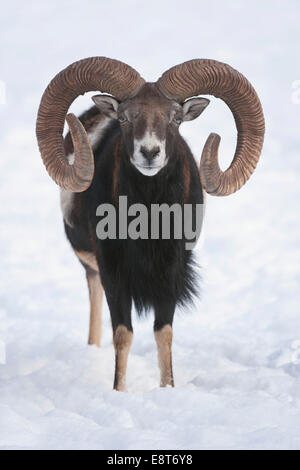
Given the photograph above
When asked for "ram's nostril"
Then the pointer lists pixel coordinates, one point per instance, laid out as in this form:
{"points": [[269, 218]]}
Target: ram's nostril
{"points": [[150, 154]]}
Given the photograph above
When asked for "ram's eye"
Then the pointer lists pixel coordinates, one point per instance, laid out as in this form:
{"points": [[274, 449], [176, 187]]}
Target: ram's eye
{"points": [[122, 119], [178, 120]]}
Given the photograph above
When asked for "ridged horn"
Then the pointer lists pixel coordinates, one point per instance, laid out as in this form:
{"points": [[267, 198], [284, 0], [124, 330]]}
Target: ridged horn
{"points": [[204, 76], [91, 74]]}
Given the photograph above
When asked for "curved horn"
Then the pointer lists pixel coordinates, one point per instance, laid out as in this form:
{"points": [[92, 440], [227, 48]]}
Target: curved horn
{"points": [[91, 74], [204, 76]]}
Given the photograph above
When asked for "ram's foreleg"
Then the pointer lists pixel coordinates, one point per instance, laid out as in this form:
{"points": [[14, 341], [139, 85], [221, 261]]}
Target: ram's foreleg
{"points": [[163, 332], [119, 302]]}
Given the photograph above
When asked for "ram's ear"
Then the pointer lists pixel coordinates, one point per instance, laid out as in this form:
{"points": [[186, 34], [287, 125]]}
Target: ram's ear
{"points": [[107, 105], [193, 107]]}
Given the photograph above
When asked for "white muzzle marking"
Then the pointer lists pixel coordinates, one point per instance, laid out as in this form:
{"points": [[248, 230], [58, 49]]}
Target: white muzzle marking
{"points": [[149, 141]]}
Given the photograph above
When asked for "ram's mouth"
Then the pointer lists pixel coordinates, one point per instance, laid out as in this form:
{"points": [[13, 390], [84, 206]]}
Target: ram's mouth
{"points": [[147, 170], [148, 167]]}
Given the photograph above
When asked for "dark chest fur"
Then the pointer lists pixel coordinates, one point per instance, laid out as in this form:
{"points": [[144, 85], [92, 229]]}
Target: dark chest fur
{"points": [[151, 270]]}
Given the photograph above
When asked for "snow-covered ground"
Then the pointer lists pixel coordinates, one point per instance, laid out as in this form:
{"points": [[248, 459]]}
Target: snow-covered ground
{"points": [[237, 352]]}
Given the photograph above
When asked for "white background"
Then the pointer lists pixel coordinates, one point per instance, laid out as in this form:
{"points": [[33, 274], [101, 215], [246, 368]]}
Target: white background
{"points": [[237, 351]]}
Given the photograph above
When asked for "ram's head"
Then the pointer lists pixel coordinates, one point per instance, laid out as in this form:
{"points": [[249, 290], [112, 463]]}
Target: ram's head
{"points": [[149, 115]]}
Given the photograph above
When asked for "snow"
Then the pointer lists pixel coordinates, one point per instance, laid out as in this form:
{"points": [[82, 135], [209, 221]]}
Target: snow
{"points": [[237, 351]]}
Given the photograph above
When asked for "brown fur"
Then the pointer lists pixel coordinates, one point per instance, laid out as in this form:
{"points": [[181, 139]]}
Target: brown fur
{"points": [[122, 344], [164, 347], [96, 298], [150, 110], [88, 260], [187, 179], [95, 293], [117, 158]]}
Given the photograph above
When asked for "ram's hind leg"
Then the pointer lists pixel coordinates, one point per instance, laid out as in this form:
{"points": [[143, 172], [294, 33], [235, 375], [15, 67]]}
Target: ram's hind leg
{"points": [[163, 332], [95, 293], [96, 297]]}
